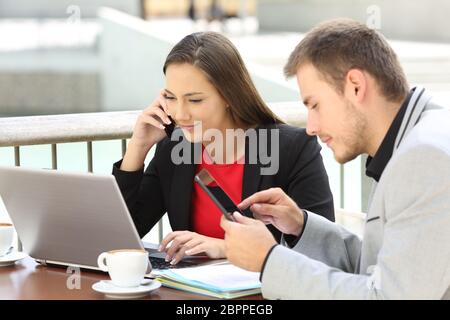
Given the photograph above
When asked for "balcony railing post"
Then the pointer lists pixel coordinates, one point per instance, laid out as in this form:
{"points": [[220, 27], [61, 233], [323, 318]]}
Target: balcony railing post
{"points": [[89, 156], [17, 164], [54, 157], [17, 156], [366, 185], [124, 147], [160, 230]]}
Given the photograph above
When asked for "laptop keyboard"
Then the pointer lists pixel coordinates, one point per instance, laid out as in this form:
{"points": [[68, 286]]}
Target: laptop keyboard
{"points": [[161, 264]]}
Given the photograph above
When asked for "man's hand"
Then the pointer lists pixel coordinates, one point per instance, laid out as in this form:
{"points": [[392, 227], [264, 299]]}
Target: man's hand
{"points": [[190, 243], [247, 242], [274, 207]]}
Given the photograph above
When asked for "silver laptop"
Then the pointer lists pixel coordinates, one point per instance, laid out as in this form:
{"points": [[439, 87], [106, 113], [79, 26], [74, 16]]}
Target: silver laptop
{"points": [[70, 218]]}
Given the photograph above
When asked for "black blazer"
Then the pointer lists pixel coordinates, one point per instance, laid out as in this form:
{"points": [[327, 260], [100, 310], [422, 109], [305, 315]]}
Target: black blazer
{"points": [[167, 187]]}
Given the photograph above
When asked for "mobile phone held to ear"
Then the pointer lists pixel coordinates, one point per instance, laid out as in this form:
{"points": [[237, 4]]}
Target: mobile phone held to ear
{"points": [[170, 127], [216, 194]]}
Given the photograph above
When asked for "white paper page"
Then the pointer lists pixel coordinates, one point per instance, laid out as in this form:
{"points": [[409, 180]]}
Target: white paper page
{"points": [[221, 275]]}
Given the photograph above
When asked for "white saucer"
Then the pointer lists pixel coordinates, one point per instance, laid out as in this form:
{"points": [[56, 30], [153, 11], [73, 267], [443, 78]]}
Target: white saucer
{"points": [[11, 258], [112, 291]]}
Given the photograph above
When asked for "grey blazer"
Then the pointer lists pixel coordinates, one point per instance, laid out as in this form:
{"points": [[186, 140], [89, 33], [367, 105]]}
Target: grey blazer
{"points": [[405, 252]]}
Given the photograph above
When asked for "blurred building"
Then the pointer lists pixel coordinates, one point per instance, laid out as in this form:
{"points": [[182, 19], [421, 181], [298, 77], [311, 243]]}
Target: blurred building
{"points": [[49, 58], [415, 20], [172, 8], [61, 9], [66, 56], [61, 57]]}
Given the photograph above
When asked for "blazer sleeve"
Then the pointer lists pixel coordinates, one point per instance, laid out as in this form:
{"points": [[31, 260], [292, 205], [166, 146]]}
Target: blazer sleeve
{"points": [[413, 260], [329, 243], [142, 193]]}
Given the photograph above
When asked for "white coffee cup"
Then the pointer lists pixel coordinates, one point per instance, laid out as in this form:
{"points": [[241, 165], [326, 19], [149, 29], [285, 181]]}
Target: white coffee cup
{"points": [[6, 237], [126, 267]]}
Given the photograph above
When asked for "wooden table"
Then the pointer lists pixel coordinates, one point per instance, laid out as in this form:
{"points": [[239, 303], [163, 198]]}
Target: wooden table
{"points": [[28, 280]]}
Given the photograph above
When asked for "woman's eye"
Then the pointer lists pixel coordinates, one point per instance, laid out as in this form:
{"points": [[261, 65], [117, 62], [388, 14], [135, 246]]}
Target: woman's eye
{"points": [[196, 100], [169, 98], [314, 107]]}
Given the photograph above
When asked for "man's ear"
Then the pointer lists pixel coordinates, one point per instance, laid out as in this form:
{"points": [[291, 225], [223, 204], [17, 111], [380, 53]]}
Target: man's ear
{"points": [[355, 85]]}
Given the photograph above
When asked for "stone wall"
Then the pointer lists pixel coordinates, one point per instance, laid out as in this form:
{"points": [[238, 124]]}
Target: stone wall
{"points": [[33, 93]]}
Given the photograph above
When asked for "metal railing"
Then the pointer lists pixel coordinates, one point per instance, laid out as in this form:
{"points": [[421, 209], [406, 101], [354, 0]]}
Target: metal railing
{"points": [[53, 130], [88, 127]]}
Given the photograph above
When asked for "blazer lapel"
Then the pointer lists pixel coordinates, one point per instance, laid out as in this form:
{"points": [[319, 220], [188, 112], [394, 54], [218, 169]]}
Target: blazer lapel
{"points": [[416, 106], [252, 174], [250, 183], [181, 193]]}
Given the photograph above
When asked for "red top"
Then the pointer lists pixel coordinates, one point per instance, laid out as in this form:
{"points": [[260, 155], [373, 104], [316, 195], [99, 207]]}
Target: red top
{"points": [[205, 214]]}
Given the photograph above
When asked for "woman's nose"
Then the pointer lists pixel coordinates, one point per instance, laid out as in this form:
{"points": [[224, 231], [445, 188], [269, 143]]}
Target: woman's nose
{"points": [[180, 113]]}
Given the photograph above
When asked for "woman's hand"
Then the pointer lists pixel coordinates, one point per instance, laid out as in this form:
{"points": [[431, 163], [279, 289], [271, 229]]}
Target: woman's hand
{"points": [[190, 243], [149, 127], [148, 130]]}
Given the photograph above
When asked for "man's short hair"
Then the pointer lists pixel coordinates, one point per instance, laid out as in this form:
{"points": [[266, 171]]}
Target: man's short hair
{"points": [[334, 47]]}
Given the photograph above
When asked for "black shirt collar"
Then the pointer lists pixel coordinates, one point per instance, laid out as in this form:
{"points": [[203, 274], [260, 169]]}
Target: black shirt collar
{"points": [[375, 166]]}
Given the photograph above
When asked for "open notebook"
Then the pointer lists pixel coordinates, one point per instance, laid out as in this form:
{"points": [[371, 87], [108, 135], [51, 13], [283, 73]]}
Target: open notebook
{"points": [[222, 280]]}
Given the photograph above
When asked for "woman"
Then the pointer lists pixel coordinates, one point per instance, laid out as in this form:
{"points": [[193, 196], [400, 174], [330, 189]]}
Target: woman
{"points": [[208, 89]]}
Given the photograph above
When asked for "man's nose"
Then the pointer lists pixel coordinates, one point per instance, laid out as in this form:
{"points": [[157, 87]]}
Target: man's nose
{"points": [[312, 125]]}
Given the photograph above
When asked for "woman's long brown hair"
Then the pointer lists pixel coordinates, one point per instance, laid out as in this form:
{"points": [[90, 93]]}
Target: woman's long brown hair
{"points": [[219, 59]]}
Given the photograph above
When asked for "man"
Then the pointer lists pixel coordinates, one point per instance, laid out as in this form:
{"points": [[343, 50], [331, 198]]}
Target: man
{"points": [[358, 102]]}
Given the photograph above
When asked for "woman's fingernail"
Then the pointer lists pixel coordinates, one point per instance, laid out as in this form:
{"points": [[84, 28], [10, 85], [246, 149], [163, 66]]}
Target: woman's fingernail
{"points": [[167, 258], [160, 248], [188, 252], [162, 127], [174, 261], [256, 206]]}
